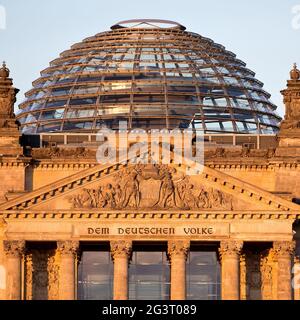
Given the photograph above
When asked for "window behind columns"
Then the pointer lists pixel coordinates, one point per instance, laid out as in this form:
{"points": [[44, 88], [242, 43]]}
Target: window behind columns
{"points": [[149, 272], [95, 273], [203, 273]]}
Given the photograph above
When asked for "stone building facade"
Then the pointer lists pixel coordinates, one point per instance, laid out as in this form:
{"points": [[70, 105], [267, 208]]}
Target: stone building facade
{"points": [[244, 206]]}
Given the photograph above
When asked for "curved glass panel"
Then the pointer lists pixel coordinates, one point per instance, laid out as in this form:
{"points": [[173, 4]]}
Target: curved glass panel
{"points": [[150, 75]]}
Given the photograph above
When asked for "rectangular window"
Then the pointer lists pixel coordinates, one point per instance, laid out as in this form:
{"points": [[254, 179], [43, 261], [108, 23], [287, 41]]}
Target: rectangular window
{"points": [[203, 274], [149, 273], [95, 275]]}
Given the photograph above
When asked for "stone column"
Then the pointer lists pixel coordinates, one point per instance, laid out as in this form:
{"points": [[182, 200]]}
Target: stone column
{"points": [[2, 261], [284, 252], [14, 250], [121, 252], [230, 260], [177, 253], [296, 280], [68, 251]]}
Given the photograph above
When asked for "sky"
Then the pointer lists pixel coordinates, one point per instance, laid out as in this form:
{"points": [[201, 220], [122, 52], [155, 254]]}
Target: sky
{"points": [[263, 33]]}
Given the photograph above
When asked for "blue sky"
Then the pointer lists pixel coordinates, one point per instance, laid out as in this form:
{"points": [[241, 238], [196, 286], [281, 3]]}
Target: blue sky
{"points": [[260, 32]]}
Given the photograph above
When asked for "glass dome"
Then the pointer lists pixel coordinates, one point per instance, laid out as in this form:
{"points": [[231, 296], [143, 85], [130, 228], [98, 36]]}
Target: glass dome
{"points": [[152, 74]]}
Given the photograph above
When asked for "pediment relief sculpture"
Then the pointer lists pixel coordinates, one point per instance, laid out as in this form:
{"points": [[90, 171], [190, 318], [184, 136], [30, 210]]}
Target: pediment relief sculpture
{"points": [[151, 186]]}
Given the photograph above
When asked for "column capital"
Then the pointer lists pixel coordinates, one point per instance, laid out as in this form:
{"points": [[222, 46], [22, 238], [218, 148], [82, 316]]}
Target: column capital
{"points": [[14, 248], [178, 248], [230, 248], [284, 249], [120, 248], [68, 247]]}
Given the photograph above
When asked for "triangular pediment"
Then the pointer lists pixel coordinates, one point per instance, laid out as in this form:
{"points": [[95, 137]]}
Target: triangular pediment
{"points": [[127, 186]]}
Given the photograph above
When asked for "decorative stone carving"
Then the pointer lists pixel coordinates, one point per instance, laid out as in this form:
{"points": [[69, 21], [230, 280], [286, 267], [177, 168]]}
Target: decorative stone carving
{"points": [[4, 71], [120, 248], [28, 276], [53, 276], [14, 248], [68, 247], [284, 249], [178, 248], [7, 98], [292, 101], [267, 270], [295, 73], [256, 275], [151, 186], [230, 248], [60, 152], [283, 252], [243, 277], [41, 275]]}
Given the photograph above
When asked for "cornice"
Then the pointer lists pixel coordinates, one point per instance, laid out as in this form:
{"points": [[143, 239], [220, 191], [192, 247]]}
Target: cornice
{"points": [[145, 215], [15, 162], [221, 163]]}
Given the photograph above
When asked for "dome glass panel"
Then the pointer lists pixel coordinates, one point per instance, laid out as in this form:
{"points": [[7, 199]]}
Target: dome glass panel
{"points": [[152, 74]]}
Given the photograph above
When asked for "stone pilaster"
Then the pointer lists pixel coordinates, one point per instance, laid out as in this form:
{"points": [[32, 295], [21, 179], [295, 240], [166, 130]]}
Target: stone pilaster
{"points": [[230, 251], [67, 275], [177, 253], [121, 252], [14, 250], [2, 261], [283, 253], [296, 279]]}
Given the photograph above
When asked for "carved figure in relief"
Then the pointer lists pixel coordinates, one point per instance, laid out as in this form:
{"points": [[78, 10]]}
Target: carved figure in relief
{"points": [[217, 198], [175, 191], [203, 199], [132, 193], [118, 196], [185, 192], [108, 195], [167, 191]]}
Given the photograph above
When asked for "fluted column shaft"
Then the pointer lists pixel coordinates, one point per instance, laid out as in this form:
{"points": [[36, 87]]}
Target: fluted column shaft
{"points": [[230, 259], [121, 252], [68, 251], [14, 250], [284, 252], [177, 253]]}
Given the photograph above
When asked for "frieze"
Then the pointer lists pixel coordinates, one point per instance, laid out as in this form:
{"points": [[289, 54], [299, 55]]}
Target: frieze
{"points": [[139, 230], [63, 153], [151, 186]]}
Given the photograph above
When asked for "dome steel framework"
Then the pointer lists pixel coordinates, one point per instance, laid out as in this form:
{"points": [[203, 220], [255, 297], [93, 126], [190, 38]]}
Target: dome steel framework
{"points": [[152, 74]]}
